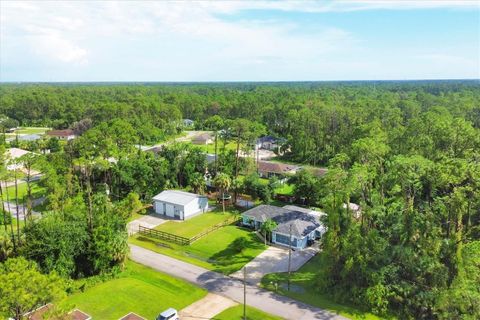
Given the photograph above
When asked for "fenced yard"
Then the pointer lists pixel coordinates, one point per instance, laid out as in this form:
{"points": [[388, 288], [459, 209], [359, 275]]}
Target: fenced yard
{"points": [[186, 228]]}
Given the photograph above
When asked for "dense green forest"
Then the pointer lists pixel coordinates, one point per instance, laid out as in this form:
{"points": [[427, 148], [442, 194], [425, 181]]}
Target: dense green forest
{"points": [[406, 152]]}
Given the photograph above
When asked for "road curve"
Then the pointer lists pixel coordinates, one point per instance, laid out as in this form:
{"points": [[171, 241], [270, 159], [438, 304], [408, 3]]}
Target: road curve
{"points": [[230, 287]]}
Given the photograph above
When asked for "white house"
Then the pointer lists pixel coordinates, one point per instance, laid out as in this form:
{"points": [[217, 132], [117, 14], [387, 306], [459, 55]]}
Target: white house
{"points": [[202, 138], [66, 134], [12, 154], [179, 204]]}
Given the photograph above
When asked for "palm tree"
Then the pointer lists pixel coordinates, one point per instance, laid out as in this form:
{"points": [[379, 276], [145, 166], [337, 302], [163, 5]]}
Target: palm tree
{"points": [[267, 228], [198, 183], [222, 182], [28, 160]]}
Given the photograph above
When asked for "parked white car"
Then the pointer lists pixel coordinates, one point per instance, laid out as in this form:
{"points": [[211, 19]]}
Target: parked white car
{"points": [[169, 314]]}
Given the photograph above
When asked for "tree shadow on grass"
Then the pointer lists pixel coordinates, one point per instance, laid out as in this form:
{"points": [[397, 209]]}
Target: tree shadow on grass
{"points": [[233, 258]]}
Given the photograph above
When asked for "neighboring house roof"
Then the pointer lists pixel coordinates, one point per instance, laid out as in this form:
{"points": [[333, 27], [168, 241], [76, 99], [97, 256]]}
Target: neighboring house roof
{"points": [[29, 137], [304, 210], [61, 133], [14, 153], [271, 139], [302, 223], [79, 315], [318, 172], [276, 167], [210, 157], [264, 139], [132, 316], [177, 197], [202, 137]]}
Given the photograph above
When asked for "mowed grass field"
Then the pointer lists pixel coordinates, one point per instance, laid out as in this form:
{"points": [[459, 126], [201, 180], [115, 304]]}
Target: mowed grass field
{"points": [[195, 225], [138, 289], [37, 192], [210, 148], [32, 130], [214, 251], [303, 288], [236, 313]]}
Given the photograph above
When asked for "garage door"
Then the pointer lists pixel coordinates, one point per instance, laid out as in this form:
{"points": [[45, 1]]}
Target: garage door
{"points": [[170, 210]]}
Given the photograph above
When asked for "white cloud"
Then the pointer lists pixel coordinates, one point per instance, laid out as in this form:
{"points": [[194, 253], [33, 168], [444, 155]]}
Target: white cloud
{"points": [[182, 40]]}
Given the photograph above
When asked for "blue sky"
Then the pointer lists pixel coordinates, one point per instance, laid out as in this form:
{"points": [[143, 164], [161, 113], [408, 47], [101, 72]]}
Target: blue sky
{"points": [[239, 40]]}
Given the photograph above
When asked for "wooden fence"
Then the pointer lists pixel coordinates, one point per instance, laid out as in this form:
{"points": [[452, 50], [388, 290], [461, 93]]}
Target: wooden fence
{"points": [[153, 233]]}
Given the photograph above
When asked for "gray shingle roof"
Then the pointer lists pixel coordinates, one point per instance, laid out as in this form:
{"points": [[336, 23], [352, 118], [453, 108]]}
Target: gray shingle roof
{"points": [[302, 223]]}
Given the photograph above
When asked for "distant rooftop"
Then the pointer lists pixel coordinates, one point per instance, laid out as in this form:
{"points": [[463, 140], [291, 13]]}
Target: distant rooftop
{"points": [[14, 153], [276, 167], [61, 133]]}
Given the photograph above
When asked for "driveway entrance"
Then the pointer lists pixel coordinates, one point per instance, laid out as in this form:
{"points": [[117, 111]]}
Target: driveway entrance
{"points": [[274, 260]]}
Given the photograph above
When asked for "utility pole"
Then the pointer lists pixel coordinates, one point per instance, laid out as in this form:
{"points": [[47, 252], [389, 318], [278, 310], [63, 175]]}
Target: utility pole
{"points": [[244, 293], [289, 256]]}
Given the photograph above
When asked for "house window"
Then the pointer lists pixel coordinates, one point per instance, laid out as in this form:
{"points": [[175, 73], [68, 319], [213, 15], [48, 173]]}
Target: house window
{"points": [[280, 238]]}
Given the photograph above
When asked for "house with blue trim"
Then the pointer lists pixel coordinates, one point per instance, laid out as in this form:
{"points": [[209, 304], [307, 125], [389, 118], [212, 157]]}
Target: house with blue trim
{"points": [[297, 227]]}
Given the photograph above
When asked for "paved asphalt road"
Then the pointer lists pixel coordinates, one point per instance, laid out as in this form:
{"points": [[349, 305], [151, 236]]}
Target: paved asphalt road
{"points": [[230, 287]]}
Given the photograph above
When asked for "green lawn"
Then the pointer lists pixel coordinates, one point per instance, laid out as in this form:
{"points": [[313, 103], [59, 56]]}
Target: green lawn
{"points": [[236, 313], [195, 225], [303, 289], [37, 192], [210, 148], [32, 130], [138, 289], [213, 252]]}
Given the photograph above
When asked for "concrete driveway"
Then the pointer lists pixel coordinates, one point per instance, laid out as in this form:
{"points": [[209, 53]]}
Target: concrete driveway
{"points": [[147, 221], [273, 260], [206, 308]]}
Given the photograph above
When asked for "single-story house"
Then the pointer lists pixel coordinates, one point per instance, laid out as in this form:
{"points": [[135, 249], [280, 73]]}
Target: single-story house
{"points": [[12, 154], [132, 316], [291, 220], [269, 143], [354, 208], [29, 137], [188, 122], [202, 138], [66, 134], [267, 169], [179, 204]]}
